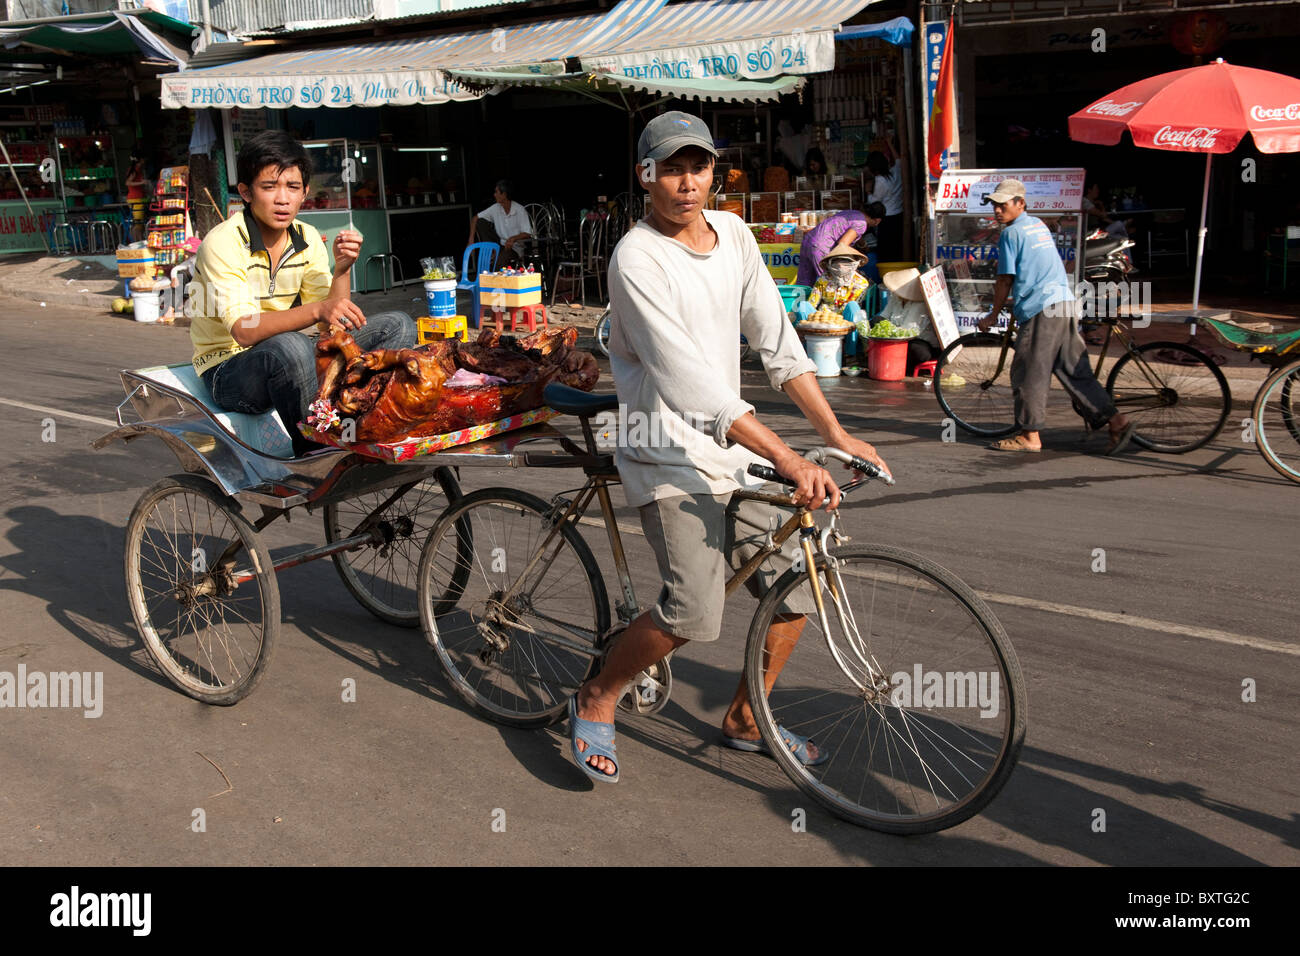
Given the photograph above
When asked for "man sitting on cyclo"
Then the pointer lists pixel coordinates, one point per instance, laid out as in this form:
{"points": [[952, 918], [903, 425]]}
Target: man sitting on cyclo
{"points": [[685, 283]]}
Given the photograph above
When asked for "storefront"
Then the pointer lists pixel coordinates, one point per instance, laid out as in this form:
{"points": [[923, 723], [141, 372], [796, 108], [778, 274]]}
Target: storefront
{"points": [[737, 50]]}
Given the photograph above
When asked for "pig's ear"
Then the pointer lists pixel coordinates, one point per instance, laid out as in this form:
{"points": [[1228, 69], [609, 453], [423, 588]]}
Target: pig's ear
{"points": [[413, 367]]}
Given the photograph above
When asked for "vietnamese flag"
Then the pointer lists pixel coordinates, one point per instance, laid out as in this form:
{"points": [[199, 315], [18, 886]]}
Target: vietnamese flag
{"points": [[943, 112]]}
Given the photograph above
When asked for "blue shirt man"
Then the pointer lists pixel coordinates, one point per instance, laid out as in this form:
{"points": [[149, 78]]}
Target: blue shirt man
{"points": [[1027, 250], [1047, 344]]}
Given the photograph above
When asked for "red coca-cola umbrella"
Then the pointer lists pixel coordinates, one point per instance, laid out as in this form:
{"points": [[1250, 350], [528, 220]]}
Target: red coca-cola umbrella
{"points": [[1205, 109]]}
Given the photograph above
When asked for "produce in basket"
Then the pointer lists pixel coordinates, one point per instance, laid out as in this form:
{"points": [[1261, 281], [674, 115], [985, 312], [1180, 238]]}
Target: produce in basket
{"points": [[884, 329], [825, 320]]}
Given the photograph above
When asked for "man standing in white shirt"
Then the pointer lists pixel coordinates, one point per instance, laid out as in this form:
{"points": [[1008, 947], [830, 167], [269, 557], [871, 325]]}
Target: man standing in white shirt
{"points": [[685, 283], [508, 219]]}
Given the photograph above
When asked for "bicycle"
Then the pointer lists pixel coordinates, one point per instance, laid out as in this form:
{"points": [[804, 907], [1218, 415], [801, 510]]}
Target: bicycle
{"points": [[1275, 414], [601, 333], [515, 608], [1177, 404]]}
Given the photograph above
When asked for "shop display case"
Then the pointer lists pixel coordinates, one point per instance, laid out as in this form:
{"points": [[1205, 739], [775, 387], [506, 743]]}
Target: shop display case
{"points": [[966, 234]]}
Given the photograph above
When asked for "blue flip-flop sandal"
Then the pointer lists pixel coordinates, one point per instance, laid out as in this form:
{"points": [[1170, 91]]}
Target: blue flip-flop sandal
{"points": [[600, 743], [798, 746]]}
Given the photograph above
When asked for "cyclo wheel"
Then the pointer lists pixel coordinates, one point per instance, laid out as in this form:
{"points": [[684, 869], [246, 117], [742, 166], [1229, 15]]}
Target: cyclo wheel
{"points": [[202, 589], [1276, 415], [1177, 407], [902, 758], [514, 641], [979, 401], [382, 577]]}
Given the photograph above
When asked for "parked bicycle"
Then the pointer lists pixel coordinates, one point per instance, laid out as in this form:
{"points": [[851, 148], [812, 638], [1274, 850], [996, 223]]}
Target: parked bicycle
{"points": [[1275, 415], [1175, 393], [905, 677]]}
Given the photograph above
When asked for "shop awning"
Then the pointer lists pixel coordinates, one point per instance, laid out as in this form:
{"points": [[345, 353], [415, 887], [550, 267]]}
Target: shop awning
{"points": [[402, 71], [600, 86], [108, 34], [897, 31], [737, 39]]}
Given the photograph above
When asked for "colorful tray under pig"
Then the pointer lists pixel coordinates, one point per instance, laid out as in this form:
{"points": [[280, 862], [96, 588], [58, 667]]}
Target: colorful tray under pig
{"points": [[431, 444]]}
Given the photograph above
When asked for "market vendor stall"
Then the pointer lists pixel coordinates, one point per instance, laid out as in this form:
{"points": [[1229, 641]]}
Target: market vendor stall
{"points": [[406, 201]]}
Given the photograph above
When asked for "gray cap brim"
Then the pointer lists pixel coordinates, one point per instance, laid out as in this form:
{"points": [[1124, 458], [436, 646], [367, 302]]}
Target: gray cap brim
{"points": [[1005, 197], [674, 143]]}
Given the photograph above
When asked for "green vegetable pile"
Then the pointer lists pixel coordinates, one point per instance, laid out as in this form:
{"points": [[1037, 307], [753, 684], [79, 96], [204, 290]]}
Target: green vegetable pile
{"points": [[884, 329], [438, 274]]}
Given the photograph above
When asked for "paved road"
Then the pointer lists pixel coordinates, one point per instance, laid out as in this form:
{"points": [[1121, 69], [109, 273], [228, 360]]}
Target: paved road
{"points": [[1135, 675]]}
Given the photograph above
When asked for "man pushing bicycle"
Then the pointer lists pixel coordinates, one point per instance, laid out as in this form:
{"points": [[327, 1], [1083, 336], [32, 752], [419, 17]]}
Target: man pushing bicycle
{"points": [[685, 284]]}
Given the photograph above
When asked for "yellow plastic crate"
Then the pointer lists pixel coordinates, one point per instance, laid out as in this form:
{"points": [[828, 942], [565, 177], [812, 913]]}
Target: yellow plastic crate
{"points": [[430, 329]]}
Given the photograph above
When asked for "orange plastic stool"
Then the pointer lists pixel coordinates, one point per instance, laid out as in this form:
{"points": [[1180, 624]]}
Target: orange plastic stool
{"points": [[530, 313]]}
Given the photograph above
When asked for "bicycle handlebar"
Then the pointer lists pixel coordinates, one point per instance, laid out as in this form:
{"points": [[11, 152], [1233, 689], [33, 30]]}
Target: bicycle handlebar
{"points": [[819, 456]]}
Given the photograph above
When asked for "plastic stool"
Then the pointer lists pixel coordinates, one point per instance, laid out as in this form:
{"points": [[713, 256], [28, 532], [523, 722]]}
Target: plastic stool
{"points": [[925, 368], [431, 329], [387, 261], [497, 314]]}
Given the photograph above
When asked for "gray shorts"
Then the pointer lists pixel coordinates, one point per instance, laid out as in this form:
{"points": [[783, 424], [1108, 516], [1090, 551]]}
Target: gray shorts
{"points": [[694, 538]]}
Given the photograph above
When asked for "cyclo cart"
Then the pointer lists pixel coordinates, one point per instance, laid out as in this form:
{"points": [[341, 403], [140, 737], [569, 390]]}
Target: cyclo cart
{"points": [[513, 603]]}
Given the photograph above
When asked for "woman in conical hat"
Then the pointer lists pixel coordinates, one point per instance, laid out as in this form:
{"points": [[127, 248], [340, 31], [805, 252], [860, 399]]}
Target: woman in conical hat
{"points": [[840, 287]]}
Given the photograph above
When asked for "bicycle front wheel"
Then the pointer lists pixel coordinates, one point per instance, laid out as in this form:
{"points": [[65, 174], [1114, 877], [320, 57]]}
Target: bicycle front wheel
{"points": [[1277, 421], [513, 613], [972, 382], [914, 699], [1176, 395]]}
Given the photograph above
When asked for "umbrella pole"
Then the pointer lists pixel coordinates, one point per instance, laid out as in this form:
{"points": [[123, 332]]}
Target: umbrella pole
{"points": [[1200, 242]]}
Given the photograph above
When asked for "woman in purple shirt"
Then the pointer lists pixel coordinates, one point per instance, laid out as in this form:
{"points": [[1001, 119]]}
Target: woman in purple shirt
{"points": [[848, 227]]}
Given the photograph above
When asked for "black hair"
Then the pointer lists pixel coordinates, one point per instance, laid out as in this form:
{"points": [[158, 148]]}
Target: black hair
{"points": [[271, 147], [814, 154], [877, 163], [875, 210], [506, 186]]}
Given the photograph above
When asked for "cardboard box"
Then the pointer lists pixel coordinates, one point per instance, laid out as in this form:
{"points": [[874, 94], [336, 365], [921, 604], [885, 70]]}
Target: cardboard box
{"points": [[134, 262], [505, 292]]}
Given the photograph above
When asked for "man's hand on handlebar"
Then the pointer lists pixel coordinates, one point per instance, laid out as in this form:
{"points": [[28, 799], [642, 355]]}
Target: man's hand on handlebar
{"points": [[862, 450], [813, 482]]}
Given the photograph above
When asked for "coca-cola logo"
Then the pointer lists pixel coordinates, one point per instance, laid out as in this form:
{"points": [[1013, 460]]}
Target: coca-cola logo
{"points": [[1264, 114], [1109, 108], [1199, 138]]}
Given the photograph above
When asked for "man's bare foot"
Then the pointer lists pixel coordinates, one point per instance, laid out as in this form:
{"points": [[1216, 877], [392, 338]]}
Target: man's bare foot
{"points": [[602, 708]]}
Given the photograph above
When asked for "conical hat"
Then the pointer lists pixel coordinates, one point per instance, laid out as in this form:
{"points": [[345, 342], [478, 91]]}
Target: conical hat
{"points": [[904, 283], [842, 248]]}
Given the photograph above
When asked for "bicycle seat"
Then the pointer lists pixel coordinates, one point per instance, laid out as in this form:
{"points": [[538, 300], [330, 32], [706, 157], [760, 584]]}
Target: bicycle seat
{"points": [[573, 401]]}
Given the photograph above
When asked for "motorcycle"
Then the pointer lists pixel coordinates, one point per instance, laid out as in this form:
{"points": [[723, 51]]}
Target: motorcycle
{"points": [[1106, 257]]}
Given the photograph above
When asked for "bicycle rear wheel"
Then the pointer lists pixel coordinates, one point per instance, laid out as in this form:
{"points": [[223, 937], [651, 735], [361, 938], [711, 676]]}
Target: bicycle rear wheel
{"points": [[917, 696], [1277, 421], [515, 636], [1176, 395], [972, 389], [601, 332]]}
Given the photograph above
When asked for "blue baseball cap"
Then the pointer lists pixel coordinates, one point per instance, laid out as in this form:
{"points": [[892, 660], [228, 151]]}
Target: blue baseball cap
{"points": [[669, 132]]}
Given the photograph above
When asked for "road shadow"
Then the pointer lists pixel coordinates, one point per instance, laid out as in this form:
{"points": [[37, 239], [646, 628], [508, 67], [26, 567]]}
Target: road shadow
{"points": [[73, 563]]}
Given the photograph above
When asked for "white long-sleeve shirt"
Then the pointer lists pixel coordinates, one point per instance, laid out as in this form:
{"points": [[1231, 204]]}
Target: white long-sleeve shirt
{"points": [[674, 348]]}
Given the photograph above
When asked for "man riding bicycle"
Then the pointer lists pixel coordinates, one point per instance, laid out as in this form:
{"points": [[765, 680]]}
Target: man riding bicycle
{"points": [[685, 283]]}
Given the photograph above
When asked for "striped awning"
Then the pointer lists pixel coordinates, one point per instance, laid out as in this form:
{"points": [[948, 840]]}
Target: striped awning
{"points": [[605, 86], [737, 39], [400, 71]]}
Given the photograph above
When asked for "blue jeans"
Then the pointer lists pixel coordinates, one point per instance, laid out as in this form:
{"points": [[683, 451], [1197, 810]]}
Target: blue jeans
{"points": [[280, 372]]}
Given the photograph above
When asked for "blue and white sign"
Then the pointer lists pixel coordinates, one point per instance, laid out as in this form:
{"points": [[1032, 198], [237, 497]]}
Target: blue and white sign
{"points": [[794, 53], [193, 91]]}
